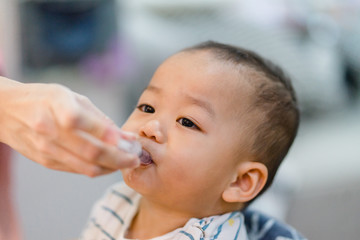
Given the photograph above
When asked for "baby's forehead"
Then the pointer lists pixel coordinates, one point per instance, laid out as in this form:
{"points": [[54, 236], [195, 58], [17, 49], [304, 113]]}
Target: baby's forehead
{"points": [[221, 75], [211, 63]]}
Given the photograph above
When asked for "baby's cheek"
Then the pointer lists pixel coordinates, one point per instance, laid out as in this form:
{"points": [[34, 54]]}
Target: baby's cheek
{"points": [[186, 163], [131, 124], [184, 174]]}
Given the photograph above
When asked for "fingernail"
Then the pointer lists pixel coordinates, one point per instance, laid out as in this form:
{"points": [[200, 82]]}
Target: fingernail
{"points": [[98, 170], [130, 135], [136, 163]]}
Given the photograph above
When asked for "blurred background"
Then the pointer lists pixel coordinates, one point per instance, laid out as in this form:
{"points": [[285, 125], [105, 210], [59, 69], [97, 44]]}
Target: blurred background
{"points": [[109, 49]]}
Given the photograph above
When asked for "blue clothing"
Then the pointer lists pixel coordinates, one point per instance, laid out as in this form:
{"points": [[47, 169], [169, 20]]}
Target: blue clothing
{"points": [[262, 227]]}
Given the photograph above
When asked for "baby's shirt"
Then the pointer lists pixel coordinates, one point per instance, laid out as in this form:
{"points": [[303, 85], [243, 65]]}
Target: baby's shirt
{"points": [[113, 214]]}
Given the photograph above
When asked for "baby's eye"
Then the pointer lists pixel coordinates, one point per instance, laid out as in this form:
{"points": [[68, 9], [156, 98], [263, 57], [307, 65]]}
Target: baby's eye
{"points": [[187, 123], [146, 108]]}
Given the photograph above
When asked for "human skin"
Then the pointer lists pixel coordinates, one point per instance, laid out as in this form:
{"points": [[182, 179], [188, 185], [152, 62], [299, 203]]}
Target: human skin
{"points": [[192, 118], [60, 129]]}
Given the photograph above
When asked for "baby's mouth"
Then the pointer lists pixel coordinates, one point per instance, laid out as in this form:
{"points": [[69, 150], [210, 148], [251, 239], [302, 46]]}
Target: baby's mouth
{"points": [[145, 158]]}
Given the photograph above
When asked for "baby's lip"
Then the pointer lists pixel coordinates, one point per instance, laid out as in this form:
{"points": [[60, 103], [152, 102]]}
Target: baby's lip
{"points": [[145, 158]]}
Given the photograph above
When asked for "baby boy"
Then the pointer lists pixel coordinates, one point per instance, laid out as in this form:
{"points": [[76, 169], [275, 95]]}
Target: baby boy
{"points": [[215, 122]]}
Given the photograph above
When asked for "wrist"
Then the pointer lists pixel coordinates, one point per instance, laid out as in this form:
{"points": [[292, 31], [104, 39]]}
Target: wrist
{"points": [[8, 92]]}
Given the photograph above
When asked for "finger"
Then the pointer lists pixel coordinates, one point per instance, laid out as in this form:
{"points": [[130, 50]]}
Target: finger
{"points": [[128, 135], [67, 162], [109, 134], [95, 151], [124, 159], [62, 168], [73, 114], [93, 125], [80, 167], [97, 127], [112, 132]]}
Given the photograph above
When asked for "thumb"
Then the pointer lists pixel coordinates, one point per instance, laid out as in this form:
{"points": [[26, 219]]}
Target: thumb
{"points": [[95, 122], [99, 127]]}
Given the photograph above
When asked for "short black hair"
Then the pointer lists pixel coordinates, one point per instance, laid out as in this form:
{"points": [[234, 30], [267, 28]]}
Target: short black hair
{"points": [[274, 99]]}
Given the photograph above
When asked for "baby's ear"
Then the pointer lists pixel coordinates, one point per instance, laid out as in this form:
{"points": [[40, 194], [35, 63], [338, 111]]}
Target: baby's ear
{"points": [[250, 179]]}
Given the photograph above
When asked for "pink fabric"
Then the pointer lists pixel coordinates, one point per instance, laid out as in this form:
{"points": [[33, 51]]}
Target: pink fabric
{"points": [[8, 224], [1, 65]]}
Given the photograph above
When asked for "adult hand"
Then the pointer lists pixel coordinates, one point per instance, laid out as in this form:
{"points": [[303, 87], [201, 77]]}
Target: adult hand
{"points": [[60, 129]]}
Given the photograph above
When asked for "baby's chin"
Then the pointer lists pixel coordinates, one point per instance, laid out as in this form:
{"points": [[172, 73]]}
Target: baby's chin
{"points": [[139, 179]]}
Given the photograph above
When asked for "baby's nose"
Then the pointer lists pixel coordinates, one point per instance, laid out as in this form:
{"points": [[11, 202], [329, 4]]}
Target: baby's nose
{"points": [[152, 130]]}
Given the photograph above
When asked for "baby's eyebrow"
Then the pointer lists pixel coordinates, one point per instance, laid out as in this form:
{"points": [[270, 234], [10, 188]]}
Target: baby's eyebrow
{"points": [[152, 88], [193, 100], [201, 103]]}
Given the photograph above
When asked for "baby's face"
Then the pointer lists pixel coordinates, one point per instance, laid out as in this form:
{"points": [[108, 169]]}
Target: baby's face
{"points": [[189, 119]]}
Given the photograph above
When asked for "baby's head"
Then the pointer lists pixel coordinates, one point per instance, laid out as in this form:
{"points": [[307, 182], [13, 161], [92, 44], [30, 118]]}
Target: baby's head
{"points": [[215, 122]]}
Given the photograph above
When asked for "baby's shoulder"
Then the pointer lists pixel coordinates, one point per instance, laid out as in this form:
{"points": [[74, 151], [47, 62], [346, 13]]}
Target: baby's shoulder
{"points": [[260, 226]]}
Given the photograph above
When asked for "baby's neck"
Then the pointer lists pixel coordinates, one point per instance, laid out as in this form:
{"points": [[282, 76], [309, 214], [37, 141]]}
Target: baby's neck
{"points": [[153, 220]]}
